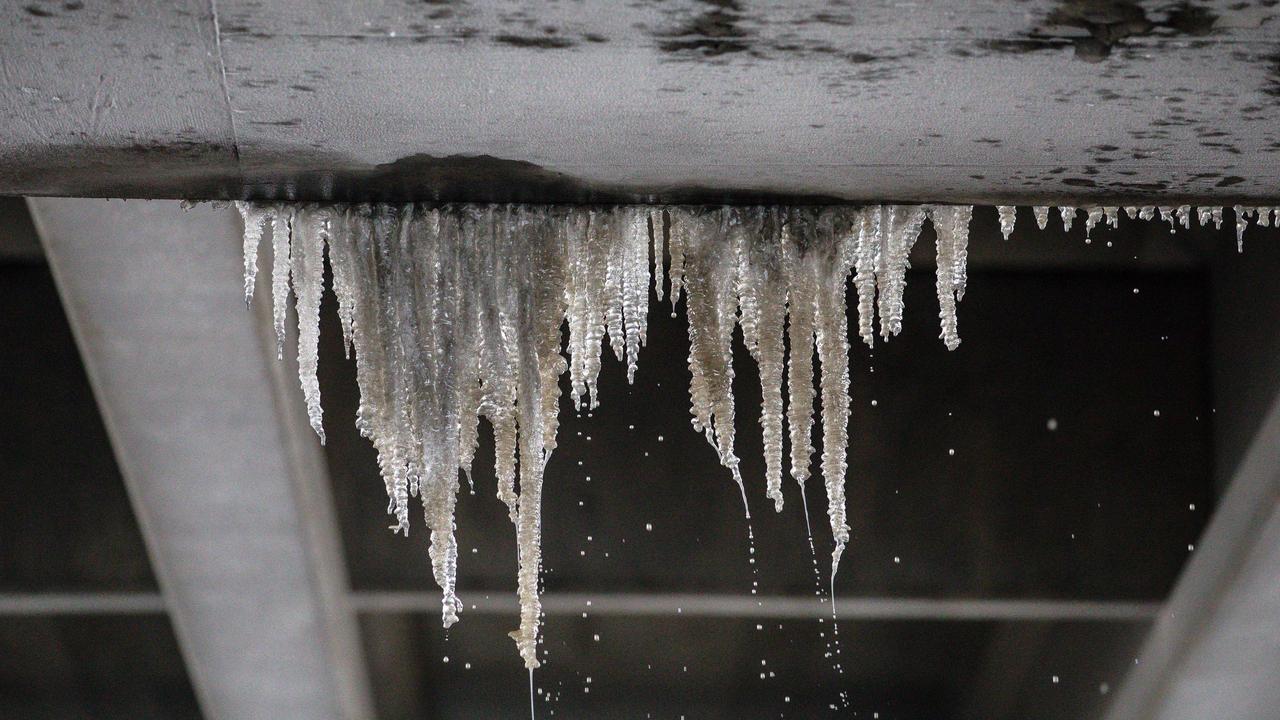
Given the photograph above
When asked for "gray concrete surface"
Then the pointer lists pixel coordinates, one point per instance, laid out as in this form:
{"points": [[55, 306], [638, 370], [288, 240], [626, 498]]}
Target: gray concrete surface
{"points": [[679, 100]]}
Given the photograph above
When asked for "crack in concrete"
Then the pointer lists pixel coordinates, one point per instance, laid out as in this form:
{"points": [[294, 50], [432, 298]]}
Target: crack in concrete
{"points": [[222, 78]]}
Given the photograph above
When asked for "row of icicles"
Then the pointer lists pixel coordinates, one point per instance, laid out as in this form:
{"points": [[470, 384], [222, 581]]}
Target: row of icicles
{"points": [[455, 313]]}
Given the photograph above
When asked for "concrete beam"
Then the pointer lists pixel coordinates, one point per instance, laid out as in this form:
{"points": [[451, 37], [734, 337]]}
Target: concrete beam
{"points": [[495, 100], [228, 485], [776, 607], [644, 604]]}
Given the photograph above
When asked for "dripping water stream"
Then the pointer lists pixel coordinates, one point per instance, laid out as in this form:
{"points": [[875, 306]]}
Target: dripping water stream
{"points": [[532, 715]]}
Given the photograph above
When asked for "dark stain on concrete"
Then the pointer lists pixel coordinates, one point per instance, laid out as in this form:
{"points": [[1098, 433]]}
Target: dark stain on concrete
{"points": [[537, 42], [1079, 182], [1272, 85], [712, 33], [37, 11], [1107, 24], [1021, 46], [484, 178], [192, 169], [1190, 19]]}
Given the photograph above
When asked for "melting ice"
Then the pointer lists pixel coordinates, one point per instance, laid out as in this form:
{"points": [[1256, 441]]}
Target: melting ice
{"points": [[455, 314]]}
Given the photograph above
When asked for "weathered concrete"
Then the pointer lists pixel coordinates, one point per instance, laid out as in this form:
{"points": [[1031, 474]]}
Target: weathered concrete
{"points": [[679, 100], [228, 488]]}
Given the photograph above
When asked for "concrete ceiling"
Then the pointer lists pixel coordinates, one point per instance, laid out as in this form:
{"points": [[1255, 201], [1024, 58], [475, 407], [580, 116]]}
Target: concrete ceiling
{"points": [[675, 100]]}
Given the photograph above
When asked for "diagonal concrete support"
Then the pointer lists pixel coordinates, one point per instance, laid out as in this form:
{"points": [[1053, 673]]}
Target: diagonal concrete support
{"points": [[1215, 650], [228, 484]]}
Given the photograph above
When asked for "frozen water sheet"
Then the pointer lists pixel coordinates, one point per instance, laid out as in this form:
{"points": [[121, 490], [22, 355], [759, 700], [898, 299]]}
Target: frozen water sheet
{"points": [[455, 313]]}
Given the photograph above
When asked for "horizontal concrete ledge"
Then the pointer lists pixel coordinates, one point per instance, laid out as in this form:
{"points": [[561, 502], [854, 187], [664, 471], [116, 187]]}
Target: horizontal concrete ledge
{"points": [[642, 605], [36, 604], [772, 607]]}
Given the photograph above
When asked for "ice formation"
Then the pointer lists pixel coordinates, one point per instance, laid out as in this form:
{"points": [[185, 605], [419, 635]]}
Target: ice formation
{"points": [[455, 314], [1068, 214], [1042, 216], [1008, 215]]}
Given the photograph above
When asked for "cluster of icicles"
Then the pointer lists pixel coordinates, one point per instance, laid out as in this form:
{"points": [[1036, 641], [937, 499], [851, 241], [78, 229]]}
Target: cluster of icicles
{"points": [[455, 313]]}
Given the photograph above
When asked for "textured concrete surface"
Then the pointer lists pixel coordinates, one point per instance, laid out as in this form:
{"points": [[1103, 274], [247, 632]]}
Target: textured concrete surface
{"points": [[231, 499], [672, 100]]}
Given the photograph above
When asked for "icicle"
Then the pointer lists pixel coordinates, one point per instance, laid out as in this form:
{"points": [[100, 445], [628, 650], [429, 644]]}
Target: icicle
{"points": [[951, 224], [307, 258], [659, 250], [585, 292], [280, 220], [710, 278], [1008, 216], [762, 298], [832, 339], [1204, 215], [1183, 213], [904, 229], [445, 363], [339, 231], [867, 259], [1113, 216], [1166, 214], [355, 253], [254, 219], [539, 311], [802, 287], [342, 259], [1264, 219], [627, 285], [960, 230], [637, 290], [943, 226], [500, 370], [1068, 214], [1242, 224], [675, 245], [612, 229], [1217, 218], [399, 343], [1042, 216], [1131, 211], [1147, 212], [1094, 217]]}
